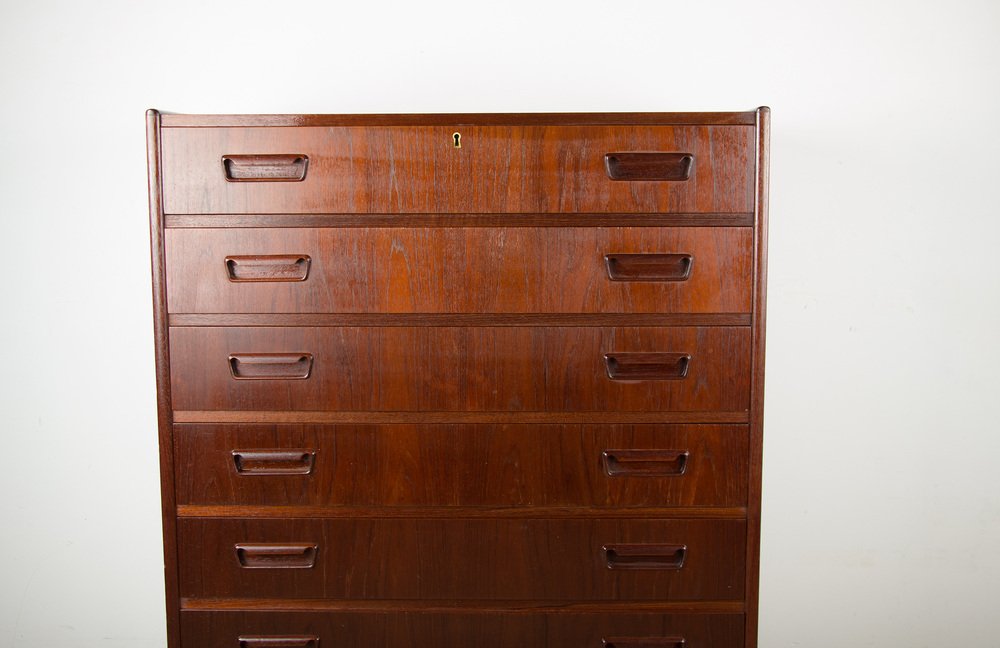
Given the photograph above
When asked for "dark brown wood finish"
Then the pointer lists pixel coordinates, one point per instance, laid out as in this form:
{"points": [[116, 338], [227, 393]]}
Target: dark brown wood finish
{"points": [[457, 270], [465, 465], [675, 167], [472, 559], [460, 606], [747, 118], [578, 219], [503, 394], [459, 319], [331, 416], [460, 369], [162, 358], [505, 169], [762, 174], [492, 629], [452, 512]]}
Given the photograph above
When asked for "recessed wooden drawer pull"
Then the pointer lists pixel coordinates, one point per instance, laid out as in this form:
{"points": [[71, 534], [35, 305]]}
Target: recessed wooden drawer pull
{"points": [[275, 267], [647, 366], [265, 168], [645, 463], [649, 166], [645, 556], [648, 267], [274, 462], [276, 556], [645, 642], [305, 641], [270, 366]]}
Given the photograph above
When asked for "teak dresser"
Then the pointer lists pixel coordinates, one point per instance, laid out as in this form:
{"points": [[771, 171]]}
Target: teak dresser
{"points": [[436, 381]]}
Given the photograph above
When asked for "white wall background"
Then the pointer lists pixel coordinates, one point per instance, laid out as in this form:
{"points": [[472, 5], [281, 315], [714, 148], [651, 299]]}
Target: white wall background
{"points": [[882, 487]]}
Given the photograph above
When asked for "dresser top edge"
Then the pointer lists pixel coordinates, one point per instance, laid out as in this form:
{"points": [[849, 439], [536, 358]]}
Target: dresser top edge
{"points": [[748, 118]]}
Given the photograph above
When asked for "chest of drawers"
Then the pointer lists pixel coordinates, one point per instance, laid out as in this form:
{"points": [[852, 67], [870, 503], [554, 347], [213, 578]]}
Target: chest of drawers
{"points": [[444, 380]]}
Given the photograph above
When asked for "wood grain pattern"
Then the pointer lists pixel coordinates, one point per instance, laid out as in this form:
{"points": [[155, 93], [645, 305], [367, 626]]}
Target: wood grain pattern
{"points": [[461, 465], [577, 219], [492, 629], [459, 319], [453, 512], [762, 174], [458, 270], [463, 559], [745, 118], [460, 369], [457, 467], [416, 169], [162, 359], [592, 416]]}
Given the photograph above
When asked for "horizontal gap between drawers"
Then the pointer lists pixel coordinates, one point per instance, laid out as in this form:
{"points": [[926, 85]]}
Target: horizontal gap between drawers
{"points": [[456, 512], [268, 417], [484, 607], [742, 219], [459, 319]]}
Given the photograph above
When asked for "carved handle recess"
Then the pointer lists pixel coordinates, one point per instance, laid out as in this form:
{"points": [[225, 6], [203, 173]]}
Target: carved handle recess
{"points": [[276, 555], [645, 642], [649, 166], [265, 168], [274, 462], [645, 556], [645, 463], [648, 267], [303, 641], [270, 366], [275, 267], [647, 366]]}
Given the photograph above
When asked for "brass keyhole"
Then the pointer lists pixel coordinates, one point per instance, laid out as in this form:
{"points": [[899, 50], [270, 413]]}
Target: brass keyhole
{"points": [[457, 139]]}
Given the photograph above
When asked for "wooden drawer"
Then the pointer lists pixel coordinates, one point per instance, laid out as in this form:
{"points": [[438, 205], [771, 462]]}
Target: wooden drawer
{"points": [[461, 465], [450, 559], [508, 369], [409, 628], [418, 169], [460, 270]]}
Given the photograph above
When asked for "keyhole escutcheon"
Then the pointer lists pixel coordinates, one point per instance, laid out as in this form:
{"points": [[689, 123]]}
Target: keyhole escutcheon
{"points": [[456, 139]]}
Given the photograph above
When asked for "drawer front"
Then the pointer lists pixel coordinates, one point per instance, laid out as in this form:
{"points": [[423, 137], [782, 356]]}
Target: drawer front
{"points": [[509, 369], [481, 629], [460, 270], [461, 465], [509, 169], [392, 558]]}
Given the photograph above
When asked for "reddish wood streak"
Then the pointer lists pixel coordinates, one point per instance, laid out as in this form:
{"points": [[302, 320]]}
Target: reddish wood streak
{"points": [[461, 465], [458, 369], [456, 270], [400, 170]]}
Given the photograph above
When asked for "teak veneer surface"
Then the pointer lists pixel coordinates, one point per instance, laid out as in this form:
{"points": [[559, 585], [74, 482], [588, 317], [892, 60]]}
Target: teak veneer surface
{"points": [[460, 369], [417, 169], [463, 465], [459, 270], [474, 559], [460, 379]]}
